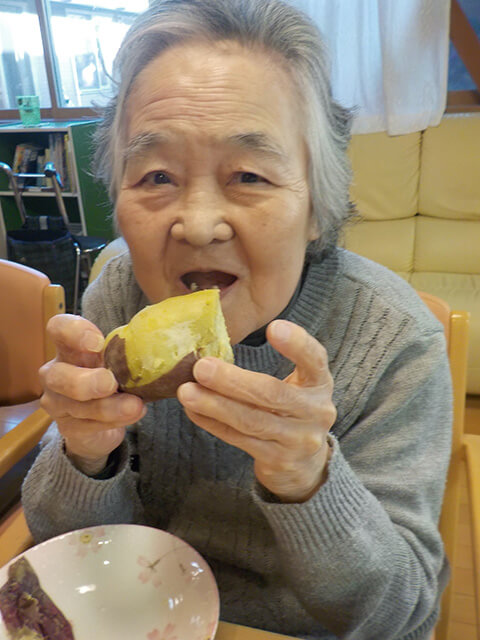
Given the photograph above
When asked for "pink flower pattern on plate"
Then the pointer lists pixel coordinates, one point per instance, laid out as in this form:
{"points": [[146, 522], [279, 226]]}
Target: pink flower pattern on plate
{"points": [[166, 634], [149, 572], [87, 540], [151, 568], [191, 571]]}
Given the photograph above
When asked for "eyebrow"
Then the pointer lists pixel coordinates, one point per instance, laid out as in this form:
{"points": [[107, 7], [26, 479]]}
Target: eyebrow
{"points": [[142, 144], [254, 141], [258, 142]]}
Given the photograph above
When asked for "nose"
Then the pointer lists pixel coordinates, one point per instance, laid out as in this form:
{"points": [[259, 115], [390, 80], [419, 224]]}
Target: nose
{"points": [[202, 221]]}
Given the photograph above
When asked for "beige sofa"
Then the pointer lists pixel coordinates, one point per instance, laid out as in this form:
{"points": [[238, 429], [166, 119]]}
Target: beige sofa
{"points": [[418, 196]]}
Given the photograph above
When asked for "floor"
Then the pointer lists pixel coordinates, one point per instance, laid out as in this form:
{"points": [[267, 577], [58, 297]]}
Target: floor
{"points": [[464, 624]]}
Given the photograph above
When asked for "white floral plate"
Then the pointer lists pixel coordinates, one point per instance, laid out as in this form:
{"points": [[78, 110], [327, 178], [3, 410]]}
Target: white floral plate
{"points": [[126, 582]]}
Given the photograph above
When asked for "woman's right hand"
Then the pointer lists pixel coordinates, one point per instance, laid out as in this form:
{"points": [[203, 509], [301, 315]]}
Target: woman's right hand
{"points": [[81, 395]]}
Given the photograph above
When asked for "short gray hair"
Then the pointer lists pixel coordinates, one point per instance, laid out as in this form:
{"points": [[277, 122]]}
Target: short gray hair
{"points": [[274, 26]]}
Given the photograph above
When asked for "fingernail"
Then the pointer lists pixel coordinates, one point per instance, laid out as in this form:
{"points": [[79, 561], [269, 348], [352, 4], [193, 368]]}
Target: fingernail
{"points": [[92, 342], [281, 330], [105, 383], [204, 370], [188, 393]]}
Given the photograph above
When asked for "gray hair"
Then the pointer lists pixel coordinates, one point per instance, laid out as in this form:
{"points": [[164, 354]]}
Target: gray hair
{"points": [[274, 26]]}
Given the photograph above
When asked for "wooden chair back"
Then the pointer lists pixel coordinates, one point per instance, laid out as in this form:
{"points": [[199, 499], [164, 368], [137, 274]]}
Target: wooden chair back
{"points": [[455, 325], [28, 301]]}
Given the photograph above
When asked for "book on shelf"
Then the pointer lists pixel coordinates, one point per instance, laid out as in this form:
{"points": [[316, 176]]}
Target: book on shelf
{"points": [[57, 143], [31, 158], [25, 160], [69, 172]]}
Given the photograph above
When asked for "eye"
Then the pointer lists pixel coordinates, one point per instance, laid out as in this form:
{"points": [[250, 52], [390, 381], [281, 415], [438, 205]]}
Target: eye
{"points": [[156, 178], [246, 177]]}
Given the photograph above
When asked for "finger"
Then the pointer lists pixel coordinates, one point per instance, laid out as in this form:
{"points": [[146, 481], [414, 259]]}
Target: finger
{"points": [[246, 419], [77, 340], [258, 449], [78, 428], [308, 355], [77, 383], [121, 409], [282, 470], [252, 388], [271, 455]]}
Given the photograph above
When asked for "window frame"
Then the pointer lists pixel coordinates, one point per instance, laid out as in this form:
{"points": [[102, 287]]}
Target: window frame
{"points": [[467, 44], [461, 34]]}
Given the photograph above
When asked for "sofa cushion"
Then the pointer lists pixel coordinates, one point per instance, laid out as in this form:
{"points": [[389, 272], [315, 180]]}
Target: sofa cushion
{"points": [[447, 246], [462, 292], [389, 242], [450, 167], [385, 175]]}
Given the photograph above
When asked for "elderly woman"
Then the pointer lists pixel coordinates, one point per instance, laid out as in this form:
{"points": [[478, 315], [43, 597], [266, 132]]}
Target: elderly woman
{"points": [[309, 473]]}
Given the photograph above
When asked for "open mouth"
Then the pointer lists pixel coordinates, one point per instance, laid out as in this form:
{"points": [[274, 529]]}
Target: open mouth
{"points": [[197, 280]]}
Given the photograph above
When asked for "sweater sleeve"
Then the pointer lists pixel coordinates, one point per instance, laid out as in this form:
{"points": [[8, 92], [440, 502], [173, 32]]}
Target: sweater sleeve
{"points": [[56, 496], [364, 555]]}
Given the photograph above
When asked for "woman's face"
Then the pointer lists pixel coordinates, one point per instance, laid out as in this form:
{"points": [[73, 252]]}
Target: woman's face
{"points": [[214, 191]]}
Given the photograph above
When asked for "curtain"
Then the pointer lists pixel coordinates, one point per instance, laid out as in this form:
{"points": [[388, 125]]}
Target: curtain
{"points": [[388, 59]]}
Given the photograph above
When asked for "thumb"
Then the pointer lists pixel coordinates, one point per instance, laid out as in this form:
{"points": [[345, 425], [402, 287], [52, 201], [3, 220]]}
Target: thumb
{"points": [[77, 340], [308, 355]]}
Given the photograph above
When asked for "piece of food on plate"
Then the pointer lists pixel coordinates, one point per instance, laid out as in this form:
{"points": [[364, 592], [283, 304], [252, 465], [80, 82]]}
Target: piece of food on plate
{"points": [[154, 353], [27, 611]]}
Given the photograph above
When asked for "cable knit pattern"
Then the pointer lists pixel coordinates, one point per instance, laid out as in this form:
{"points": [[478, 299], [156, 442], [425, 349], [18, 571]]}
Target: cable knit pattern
{"points": [[362, 559]]}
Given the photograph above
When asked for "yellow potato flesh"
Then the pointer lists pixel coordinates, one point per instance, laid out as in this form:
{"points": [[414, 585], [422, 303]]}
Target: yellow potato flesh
{"points": [[159, 336]]}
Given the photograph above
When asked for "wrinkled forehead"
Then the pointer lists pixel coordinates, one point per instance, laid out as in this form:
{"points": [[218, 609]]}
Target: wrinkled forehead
{"points": [[213, 79], [250, 89]]}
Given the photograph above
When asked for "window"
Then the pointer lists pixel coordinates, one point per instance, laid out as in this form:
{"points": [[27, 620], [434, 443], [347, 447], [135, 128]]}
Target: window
{"points": [[464, 59], [85, 39], [22, 63], [459, 78], [62, 51]]}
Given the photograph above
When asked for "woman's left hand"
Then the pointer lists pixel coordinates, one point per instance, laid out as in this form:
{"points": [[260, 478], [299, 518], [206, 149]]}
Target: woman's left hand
{"points": [[282, 424]]}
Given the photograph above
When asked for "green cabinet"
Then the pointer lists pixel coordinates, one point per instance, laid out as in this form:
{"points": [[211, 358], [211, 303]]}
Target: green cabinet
{"points": [[68, 144]]}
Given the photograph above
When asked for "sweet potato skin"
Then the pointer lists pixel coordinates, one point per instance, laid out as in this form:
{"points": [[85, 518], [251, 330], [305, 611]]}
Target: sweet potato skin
{"points": [[116, 360], [163, 387], [155, 352]]}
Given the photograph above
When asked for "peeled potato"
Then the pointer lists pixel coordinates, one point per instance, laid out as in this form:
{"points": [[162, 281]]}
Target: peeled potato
{"points": [[154, 353]]}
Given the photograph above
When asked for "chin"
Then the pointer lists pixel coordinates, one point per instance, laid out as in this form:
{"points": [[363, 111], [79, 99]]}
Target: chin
{"points": [[237, 332]]}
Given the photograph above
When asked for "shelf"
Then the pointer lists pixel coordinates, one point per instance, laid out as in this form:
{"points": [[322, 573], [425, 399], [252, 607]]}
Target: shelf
{"points": [[86, 199], [45, 125], [39, 194]]}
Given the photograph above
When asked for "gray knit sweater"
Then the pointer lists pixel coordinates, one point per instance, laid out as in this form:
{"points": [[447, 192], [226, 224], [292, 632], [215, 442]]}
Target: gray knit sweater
{"points": [[362, 559]]}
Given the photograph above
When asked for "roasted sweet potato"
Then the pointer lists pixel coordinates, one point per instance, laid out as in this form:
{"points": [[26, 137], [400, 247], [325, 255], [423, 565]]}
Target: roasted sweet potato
{"points": [[154, 353]]}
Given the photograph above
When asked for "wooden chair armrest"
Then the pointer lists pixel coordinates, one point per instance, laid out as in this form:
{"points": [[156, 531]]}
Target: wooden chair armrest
{"points": [[228, 631], [472, 456], [15, 444], [15, 536]]}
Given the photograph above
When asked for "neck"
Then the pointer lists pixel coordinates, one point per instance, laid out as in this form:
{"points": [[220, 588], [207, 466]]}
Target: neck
{"points": [[259, 337]]}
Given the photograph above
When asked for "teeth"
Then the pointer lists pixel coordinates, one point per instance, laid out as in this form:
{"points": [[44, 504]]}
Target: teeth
{"points": [[194, 286]]}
